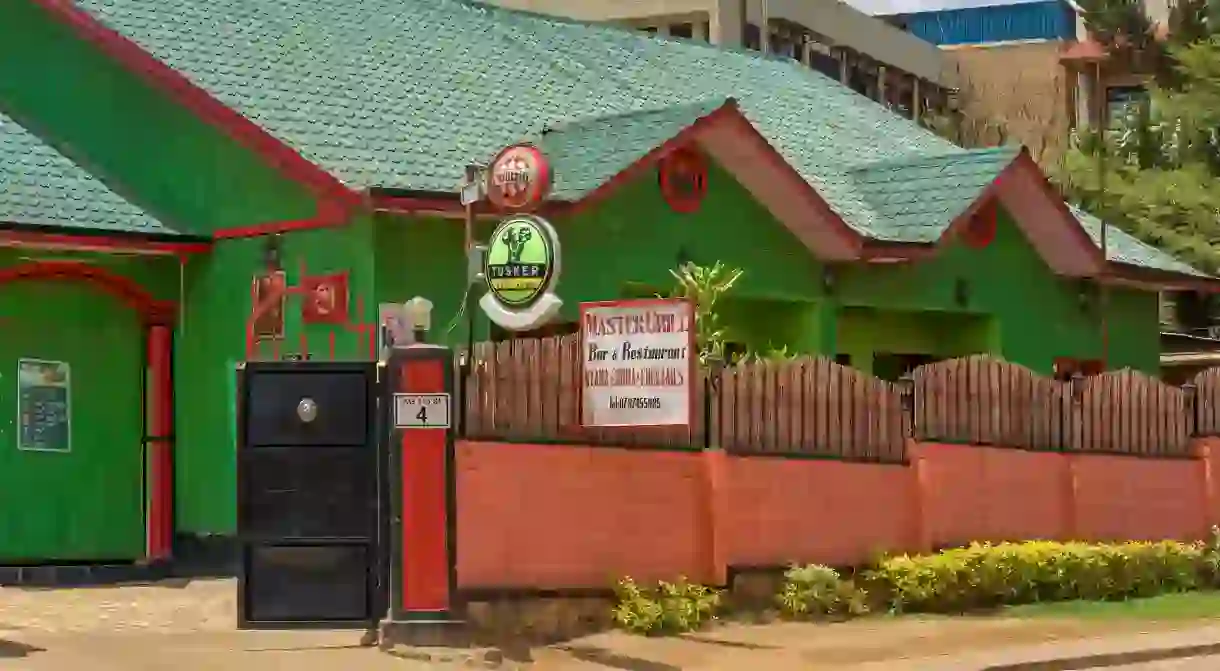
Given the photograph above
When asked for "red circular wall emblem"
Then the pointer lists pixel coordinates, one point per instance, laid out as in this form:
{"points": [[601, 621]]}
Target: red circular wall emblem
{"points": [[683, 176], [519, 178], [980, 230]]}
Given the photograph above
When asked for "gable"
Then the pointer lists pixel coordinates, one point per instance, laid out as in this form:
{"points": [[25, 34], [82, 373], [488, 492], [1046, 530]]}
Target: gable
{"points": [[136, 139], [637, 238]]}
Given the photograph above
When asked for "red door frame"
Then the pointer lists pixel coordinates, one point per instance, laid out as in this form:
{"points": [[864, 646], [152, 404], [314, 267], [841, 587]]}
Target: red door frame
{"points": [[158, 320]]}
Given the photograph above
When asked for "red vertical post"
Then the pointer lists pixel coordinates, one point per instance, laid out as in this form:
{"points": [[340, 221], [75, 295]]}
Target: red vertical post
{"points": [[423, 555], [160, 519]]}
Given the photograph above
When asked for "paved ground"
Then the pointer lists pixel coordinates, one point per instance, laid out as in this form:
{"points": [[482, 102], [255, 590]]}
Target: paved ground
{"points": [[189, 627], [1191, 664]]}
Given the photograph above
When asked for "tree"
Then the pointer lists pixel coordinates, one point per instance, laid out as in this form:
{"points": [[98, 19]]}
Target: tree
{"points": [[1162, 159]]}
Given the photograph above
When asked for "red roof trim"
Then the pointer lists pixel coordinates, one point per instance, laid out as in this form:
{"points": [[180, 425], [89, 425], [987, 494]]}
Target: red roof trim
{"points": [[330, 191], [124, 288], [1025, 166], [101, 243], [1123, 274]]}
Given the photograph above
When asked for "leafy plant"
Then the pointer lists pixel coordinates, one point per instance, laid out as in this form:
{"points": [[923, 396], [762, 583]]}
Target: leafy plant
{"points": [[669, 608], [704, 286], [984, 575], [1211, 559], [814, 590]]}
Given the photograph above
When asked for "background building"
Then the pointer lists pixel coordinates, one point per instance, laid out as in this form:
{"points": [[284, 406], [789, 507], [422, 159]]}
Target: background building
{"points": [[875, 58]]}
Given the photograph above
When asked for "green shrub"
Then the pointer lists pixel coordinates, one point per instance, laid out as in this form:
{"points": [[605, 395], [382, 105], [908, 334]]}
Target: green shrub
{"points": [[669, 608], [984, 575], [814, 590], [1210, 572]]}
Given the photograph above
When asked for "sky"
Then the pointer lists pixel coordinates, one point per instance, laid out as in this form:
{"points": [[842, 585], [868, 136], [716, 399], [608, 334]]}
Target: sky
{"points": [[885, 7]]}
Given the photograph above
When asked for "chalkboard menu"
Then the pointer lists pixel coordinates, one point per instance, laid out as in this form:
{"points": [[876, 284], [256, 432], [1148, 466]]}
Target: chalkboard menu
{"points": [[44, 405]]}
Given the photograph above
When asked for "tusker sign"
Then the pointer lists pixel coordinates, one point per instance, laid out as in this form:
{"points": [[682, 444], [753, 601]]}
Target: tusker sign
{"points": [[638, 362], [521, 268]]}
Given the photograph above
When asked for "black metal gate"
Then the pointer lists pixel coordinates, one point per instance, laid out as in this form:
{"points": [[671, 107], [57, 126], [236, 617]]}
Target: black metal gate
{"points": [[310, 492]]}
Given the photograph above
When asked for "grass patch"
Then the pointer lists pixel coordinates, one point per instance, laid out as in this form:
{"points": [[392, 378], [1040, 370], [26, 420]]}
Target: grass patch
{"points": [[1179, 606]]}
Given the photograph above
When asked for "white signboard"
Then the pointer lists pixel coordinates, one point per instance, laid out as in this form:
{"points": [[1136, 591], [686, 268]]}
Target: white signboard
{"points": [[421, 411], [638, 359]]}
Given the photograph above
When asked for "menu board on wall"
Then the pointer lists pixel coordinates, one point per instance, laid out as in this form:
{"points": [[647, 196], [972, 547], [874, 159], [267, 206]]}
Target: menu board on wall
{"points": [[44, 390]]}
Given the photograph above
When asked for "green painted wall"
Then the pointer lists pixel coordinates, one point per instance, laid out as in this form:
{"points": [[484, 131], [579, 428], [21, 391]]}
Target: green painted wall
{"points": [[142, 143], [1035, 315], [632, 240], [211, 339], [85, 504], [1017, 307]]}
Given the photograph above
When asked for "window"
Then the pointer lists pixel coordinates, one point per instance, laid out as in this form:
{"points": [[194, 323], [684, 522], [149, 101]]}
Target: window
{"points": [[1123, 101], [1066, 368], [889, 366], [751, 37], [685, 30]]}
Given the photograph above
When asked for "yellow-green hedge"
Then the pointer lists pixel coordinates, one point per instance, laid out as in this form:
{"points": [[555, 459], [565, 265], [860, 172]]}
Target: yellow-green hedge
{"points": [[982, 575]]}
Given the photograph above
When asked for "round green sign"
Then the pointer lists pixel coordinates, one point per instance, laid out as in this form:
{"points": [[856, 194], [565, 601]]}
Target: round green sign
{"points": [[520, 262]]}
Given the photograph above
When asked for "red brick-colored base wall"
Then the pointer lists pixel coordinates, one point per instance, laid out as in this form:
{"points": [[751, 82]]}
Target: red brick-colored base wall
{"points": [[566, 516], [783, 510], [558, 516], [1138, 499], [972, 493]]}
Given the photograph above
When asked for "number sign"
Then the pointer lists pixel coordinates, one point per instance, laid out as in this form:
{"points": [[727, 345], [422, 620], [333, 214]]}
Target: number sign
{"points": [[421, 411]]}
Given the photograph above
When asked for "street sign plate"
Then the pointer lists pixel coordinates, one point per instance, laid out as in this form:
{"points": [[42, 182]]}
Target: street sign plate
{"points": [[472, 193], [421, 411]]}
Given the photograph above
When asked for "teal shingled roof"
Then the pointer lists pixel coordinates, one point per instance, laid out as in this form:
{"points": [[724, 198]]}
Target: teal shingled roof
{"points": [[405, 93], [586, 153], [920, 195], [39, 186], [1121, 247]]}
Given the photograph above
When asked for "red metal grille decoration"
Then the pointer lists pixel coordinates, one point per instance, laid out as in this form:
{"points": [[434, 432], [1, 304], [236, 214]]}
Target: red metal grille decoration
{"points": [[980, 230], [268, 295], [325, 300], [683, 177]]}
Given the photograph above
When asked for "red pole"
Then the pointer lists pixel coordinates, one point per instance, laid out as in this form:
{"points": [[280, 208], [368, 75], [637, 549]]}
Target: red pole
{"points": [[160, 529]]}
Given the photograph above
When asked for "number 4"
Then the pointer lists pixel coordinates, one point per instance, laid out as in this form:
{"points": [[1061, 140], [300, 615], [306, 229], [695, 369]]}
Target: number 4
{"points": [[422, 415]]}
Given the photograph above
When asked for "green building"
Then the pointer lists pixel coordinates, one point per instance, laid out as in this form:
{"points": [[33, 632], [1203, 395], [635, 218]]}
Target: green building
{"points": [[161, 154]]}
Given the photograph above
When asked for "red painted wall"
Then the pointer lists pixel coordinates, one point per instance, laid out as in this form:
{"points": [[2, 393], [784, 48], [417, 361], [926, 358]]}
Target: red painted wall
{"points": [[564, 516], [551, 516], [784, 510], [972, 493]]}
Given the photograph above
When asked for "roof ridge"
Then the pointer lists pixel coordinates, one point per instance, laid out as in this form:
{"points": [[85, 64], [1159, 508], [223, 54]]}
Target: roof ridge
{"points": [[588, 119]]}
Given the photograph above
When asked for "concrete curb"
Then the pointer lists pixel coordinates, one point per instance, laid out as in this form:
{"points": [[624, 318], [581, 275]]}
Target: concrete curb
{"points": [[1103, 660]]}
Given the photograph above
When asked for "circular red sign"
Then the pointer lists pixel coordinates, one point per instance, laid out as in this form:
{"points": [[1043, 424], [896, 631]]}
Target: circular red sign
{"points": [[683, 176], [980, 231], [519, 178]]}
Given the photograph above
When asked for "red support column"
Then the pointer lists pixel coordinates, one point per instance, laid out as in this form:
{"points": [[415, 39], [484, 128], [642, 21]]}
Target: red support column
{"points": [[423, 563], [160, 519]]}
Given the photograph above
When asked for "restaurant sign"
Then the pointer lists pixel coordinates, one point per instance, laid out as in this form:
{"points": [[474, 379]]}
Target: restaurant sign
{"points": [[638, 363]]}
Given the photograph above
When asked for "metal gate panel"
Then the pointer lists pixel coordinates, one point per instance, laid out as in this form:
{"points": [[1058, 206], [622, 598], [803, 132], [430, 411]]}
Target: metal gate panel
{"points": [[310, 491]]}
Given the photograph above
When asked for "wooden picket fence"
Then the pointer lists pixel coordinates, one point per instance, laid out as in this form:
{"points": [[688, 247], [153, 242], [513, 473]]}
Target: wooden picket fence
{"points": [[984, 401], [528, 390]]}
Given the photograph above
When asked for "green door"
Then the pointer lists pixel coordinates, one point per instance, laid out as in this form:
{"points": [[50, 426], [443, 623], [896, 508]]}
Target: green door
{"points": [[71, 425]]}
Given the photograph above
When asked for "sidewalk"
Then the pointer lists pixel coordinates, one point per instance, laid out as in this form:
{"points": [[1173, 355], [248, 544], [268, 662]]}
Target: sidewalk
{"points": [[189, 627], [1083, 654]]}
